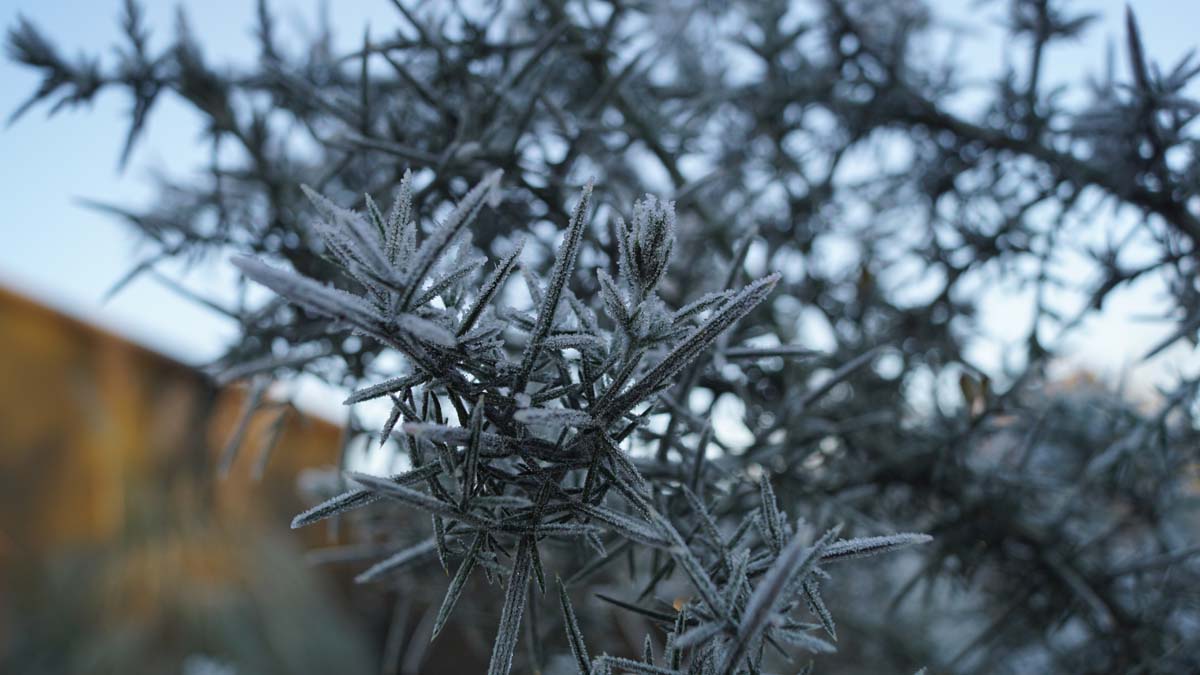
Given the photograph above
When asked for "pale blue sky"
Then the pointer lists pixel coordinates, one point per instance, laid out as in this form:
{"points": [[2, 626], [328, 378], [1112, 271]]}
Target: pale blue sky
{"points": [[67, 256]]}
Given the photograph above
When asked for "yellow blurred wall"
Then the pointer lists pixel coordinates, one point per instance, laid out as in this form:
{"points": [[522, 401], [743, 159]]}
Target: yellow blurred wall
{"points": [[112, 518]]}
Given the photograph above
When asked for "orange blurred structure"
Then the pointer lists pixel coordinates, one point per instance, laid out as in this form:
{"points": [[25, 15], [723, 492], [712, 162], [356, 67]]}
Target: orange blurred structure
{"points": [[120, 550]]}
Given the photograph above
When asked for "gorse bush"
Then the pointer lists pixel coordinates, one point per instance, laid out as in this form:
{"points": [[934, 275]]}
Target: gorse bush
{"points": [[534, 458], [674, 406]]}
